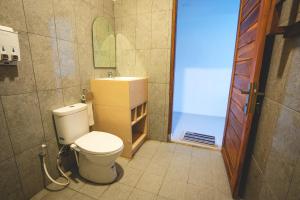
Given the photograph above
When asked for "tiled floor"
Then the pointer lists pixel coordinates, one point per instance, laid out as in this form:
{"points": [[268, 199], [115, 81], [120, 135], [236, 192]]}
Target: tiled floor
{"points": [[210, 125], [159, 171]]}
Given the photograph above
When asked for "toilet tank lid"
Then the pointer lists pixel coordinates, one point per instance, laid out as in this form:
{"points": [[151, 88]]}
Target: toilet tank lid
{"points": [[67, 110]]}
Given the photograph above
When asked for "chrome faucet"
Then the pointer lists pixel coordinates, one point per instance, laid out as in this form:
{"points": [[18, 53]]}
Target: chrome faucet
{"points": [[110, 74]]}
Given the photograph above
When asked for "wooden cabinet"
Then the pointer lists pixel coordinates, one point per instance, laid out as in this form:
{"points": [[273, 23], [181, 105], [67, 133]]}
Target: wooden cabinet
{"points": [[120, 108]]}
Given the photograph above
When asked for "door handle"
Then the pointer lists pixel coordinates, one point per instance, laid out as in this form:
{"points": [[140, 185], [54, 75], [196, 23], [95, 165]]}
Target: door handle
{"points": [[245, 91], [254, 94]]}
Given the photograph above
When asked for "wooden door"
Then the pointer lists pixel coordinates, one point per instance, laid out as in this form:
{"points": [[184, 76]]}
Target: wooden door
{"points": [[252, 27]]}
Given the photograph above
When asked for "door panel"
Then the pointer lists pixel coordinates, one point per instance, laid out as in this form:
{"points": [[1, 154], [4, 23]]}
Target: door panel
{"points": [[249, 47], [243, 68]]}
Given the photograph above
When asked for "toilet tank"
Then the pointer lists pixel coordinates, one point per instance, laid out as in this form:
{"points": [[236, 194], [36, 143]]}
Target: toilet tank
{"points": [[71, 122]]}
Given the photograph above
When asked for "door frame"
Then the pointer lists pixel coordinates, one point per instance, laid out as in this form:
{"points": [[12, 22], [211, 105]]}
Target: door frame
{"points": [[172, 67]]}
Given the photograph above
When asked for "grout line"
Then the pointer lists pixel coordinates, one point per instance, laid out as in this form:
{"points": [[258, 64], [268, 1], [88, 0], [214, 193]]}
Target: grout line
{"points": [[285, 106]]}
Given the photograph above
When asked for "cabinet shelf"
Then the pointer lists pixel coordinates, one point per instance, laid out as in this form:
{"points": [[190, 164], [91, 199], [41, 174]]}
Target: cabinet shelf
{"points": [[120, 108], [138, 119]]}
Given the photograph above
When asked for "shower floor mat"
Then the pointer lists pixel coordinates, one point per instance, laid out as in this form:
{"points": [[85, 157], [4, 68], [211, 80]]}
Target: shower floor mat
{"points": [[199, 138]]}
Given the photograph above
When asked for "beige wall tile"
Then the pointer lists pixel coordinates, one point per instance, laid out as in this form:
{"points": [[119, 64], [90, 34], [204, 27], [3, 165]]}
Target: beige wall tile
{"points": [[3, 127], [109, 7], [40, 17], [68, 60], [144, 6], [52, 149], [161, 29], [128, 31], [156, 127], [158, 67], [29, 162], [142, 62], [291, 98], [5, 148], [143, 31], [126, 62], [125, 7], [295, 184], [159, 5], [265, 131], [9, 180], [65, 19], [24, 121], [86, 63], [50, 100], [15, 20], [6, 151], [45, 62], [71, 95], [276, 79], [157, 98], [83, 22]]}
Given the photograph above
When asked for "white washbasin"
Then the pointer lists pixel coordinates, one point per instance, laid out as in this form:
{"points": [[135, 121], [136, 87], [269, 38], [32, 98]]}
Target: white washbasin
{"points": [[121, 78]]}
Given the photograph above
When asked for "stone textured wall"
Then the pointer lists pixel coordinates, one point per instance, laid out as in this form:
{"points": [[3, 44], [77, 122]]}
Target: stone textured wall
{"points": [[143, 29], [275, 166], [57, 62]]}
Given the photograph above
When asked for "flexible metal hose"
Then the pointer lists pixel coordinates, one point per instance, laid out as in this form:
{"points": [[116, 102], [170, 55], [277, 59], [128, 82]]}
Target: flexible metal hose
{"points": [[58, 167]]}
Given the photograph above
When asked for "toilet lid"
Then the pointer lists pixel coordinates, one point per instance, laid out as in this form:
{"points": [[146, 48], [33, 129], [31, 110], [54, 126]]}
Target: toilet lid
{"points": [[97, 142]]}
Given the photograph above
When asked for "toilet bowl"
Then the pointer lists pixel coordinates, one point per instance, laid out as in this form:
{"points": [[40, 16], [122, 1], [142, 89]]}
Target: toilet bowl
{"points": [[96, 151], [97, 154]]}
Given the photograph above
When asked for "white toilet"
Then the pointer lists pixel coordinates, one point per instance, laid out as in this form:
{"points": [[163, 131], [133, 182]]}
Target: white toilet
{"points": [[97, 150]]}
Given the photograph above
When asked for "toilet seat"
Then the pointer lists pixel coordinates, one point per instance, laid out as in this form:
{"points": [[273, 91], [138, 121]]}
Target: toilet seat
{"points": [[99, 143]]}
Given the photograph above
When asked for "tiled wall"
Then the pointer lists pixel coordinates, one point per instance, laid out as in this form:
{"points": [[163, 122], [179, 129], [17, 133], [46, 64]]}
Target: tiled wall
{"points": [[57, 62], [143, 29], [275, 166]]}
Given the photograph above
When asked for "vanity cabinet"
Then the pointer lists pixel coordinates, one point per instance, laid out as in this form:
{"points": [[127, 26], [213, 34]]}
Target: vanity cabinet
{"points": [[121, 108]]}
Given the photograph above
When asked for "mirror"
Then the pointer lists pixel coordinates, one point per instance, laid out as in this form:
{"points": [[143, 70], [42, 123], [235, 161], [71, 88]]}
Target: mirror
{"points": [[104, 43]]}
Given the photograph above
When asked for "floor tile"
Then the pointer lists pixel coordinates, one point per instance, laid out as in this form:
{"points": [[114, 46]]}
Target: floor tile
{"points": [[173, 189], [93, 190], [139, 163], [166, 147], [183, 150], [159, 169], [40, 195], [172, 172], [150, 183], [131, 176], [59, 195], [141, 195], [122, 162], [162, 198], [117, 191], [79, 196]]}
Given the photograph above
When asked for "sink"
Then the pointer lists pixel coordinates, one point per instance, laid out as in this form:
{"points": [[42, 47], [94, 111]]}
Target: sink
{"points": [[120, 91], [121, 78]]}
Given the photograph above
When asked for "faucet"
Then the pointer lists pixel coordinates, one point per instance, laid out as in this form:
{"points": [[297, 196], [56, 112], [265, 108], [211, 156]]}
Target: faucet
{"points": [[110, 74]]}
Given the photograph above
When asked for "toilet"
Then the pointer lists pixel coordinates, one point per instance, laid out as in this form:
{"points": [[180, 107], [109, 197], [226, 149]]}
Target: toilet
{"points": [[96, 151]]}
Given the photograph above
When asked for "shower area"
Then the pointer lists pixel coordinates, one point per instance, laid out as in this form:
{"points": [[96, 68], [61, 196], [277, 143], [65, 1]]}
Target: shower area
{"points": [[205, 39]]}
